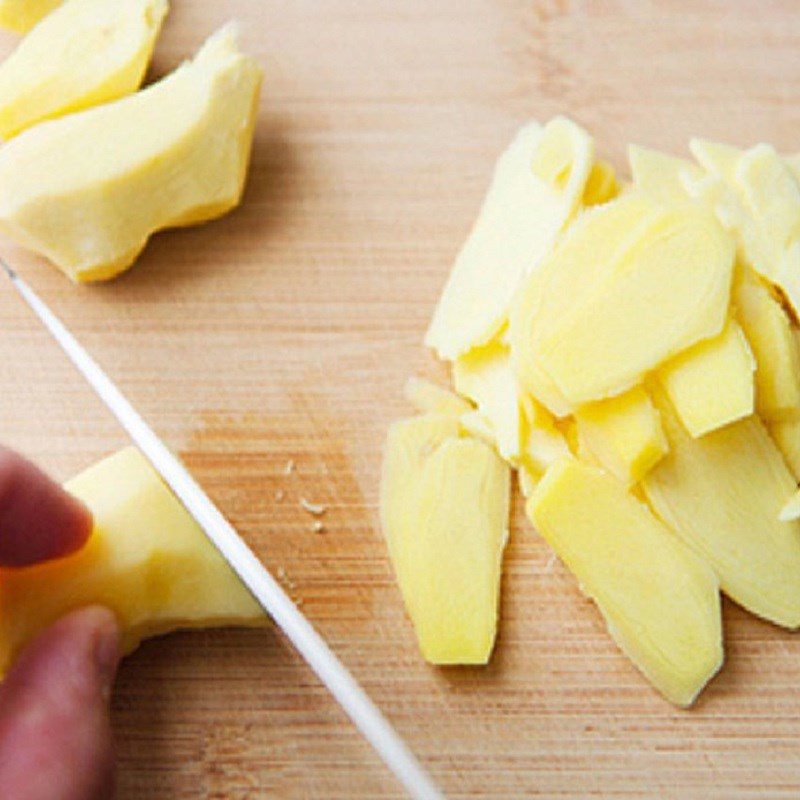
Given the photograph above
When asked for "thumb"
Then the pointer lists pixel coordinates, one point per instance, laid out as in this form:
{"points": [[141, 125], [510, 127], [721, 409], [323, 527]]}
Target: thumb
{"points": [[55, 734]]}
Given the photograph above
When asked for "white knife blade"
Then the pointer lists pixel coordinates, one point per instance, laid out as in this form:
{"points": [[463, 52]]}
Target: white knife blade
{"points": [[266, 590]]}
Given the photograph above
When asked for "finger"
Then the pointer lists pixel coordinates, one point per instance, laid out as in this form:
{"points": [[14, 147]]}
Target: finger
{"points": [[38, 519], [55, 734]]}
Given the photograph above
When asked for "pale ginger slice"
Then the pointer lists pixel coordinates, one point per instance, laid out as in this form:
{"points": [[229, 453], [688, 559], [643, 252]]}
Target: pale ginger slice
{"points": [[793, 162], [87, 190], [484, 376], [601, 185], [522, 214], [528, 479], [85, 53], [770, 192], [774, 346], [756, 195], [444, 511], [791, 510], [21, 15], [716, 157], [623, 434], [476, 424], [659, 175], [722, 494], [669, 290], [542, 442], [428, 397], [786, 435], [659, 600], [147, 560], [574, 270], [711, 384]]}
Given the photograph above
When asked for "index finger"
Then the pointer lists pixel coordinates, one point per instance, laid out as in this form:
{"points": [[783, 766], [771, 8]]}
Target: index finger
{"points": [[39, 521]]}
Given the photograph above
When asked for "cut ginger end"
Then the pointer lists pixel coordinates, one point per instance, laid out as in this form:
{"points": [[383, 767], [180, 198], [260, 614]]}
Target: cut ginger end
{"points": [[147, 560], [444, 512], [91, 210]]}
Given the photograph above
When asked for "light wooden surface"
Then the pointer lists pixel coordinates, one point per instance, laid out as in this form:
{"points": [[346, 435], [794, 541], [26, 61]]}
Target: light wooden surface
{"points": [[286, 331]]}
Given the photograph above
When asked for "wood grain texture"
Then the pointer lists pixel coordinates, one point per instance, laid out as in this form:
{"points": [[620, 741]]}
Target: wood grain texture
{"points": [[286, 330]]}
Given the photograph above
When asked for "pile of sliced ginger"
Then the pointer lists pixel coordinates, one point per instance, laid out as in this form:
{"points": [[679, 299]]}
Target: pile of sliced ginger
{"points": [[632, 352]]}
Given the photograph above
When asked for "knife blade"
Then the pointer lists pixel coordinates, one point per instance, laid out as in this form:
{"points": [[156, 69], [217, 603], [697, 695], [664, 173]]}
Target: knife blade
{"points": [[254, 575]]}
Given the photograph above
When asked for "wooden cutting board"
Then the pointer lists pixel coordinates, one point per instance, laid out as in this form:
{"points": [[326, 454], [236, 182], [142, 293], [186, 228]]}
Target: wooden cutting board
{"points": [[284, 333]]}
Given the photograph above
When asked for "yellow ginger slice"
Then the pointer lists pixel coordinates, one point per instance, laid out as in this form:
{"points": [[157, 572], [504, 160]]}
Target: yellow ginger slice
{"points": [[571, 273], [521, 216], [791, 510], [21, 15], [770, 192], [569, 429], [793, 162], [756, 196], [147, 560], [786, 435], [427, 397], [659, 600], [716, 157], [623, 434], [91, 209], [601, 185], [659, 175], [669, 290], [444, 509], [774, 346], [484, 375], [476, 424], [722, 494], [542, 442], [85, 53], [711, 384]]}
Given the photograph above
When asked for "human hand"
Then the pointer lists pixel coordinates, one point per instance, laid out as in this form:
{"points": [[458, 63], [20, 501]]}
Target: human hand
{"points": [[55, 734]]}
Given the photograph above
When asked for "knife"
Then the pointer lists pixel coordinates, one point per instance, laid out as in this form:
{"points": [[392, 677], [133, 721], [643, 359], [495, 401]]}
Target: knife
{"points": [[253, 574]]}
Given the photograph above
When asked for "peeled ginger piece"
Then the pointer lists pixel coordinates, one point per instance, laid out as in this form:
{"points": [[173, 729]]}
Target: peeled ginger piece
{"points": [[659, 600], [711, 384], [756, 196], [722, 494], [484, 375], [659, 175], [85, 53], [542, 442], [538, 182], [147, 560], [791, 511], [666, 292], [173, 154], [774, 345], [444, 509], [623, 434], [770, 192], [21, 15]]}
